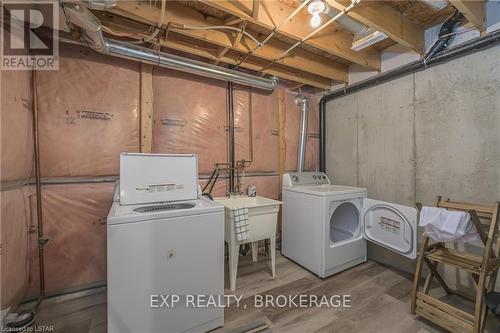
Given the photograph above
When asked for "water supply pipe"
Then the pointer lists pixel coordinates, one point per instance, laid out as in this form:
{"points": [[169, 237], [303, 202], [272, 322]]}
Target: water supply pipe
{"points": [[91, 27], [303, 102]]}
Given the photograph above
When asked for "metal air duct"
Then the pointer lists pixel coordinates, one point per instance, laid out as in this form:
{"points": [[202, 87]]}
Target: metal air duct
{"points": [[92, 34], [303, 102]]}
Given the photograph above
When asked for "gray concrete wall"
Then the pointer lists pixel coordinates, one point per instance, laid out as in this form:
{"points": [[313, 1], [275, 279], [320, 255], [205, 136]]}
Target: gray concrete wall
{"points": [[435, 132]]}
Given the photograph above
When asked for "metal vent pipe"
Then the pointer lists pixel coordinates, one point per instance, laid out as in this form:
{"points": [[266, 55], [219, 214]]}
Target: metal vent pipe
{"points": [[92, 34], [303, 102]]}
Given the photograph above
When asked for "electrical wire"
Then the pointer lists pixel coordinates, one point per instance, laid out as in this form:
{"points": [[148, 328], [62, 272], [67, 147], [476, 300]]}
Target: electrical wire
{"points": [[275, 30]]}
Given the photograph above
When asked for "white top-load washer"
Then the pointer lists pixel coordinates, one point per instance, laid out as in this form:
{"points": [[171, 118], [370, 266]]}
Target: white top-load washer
{"points": [[165, 243], [325, 227]]}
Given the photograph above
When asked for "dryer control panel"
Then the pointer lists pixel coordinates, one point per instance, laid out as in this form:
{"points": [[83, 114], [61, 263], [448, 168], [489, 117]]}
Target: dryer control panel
{"points": [[294, 179]]}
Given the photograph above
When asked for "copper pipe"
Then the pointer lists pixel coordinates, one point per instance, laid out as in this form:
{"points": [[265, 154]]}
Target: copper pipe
{"points": [[250, 126], [41, 242], [232, 148]]}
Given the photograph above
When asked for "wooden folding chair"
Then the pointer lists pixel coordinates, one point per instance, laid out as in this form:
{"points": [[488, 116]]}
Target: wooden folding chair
{"points": [[484, 270]]}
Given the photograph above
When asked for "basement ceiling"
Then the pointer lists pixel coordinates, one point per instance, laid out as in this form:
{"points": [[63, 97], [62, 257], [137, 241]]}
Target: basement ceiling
{"points": [[320, 60]]}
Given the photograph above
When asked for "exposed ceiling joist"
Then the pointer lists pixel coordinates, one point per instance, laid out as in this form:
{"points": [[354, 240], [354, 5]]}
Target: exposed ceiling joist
{"points": [[384, 18], [179, 14], [273, 13], [473, 10], [255, 8], [212, 52], [304, 78]]}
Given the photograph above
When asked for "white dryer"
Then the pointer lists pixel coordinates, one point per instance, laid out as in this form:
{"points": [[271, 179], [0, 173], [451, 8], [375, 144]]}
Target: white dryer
{"points": [[325, 227]]}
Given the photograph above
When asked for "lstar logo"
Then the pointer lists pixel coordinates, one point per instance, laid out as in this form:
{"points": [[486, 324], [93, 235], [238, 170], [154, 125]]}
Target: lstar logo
{"points": [[29, 35]]}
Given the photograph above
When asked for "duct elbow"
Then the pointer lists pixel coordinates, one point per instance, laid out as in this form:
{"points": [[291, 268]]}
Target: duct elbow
{"points": [[90, 26]]}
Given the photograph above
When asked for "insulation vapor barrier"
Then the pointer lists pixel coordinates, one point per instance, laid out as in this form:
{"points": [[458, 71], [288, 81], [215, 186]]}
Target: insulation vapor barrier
{"points": [[15, 246], [88, 113], [75, 221], [17, 129], [190, 117], [16, 165], [264, 125]]}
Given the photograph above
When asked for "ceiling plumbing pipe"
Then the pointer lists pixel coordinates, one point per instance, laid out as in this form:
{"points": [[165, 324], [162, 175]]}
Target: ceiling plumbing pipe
{"points": [[303, 102], [445, 35], [92, 34]]}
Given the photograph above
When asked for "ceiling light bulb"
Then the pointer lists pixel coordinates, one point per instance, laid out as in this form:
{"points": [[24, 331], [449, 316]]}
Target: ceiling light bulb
{"points": [[316, 7], [315, 20]]}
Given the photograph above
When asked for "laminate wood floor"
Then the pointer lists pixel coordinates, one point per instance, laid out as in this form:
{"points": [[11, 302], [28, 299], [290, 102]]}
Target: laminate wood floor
{"points": [[379, 303]]}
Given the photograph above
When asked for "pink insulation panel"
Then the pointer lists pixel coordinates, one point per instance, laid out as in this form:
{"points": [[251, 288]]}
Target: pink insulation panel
{"points": [[89, 113], [312, 145], [16, 121], [267, 186], [15, 246], [190, 116], [220, 187], [75, 219], [265, 127]]}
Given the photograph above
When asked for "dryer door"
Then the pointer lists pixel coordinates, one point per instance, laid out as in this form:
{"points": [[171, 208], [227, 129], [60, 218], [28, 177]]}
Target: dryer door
{"points": [[390, 225]]}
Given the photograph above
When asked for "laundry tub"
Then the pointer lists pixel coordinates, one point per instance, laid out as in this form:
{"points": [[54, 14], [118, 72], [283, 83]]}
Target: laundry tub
{"points": [[262, 220]]}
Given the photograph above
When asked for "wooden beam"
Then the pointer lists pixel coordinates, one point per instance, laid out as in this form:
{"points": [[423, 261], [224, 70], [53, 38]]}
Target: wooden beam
{"points": [[146, 108], [236, 42], [273, 13], [237, 39], [162, 15], [255, 8], [222, 52], [178, 14], [473, 10], [296, 86], [384, 18], [232, 21], [293, 75]]}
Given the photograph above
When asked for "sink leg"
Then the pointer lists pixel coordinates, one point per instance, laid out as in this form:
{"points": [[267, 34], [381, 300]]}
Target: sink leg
{"points": [[255, 250], [273, 255], [234, 253]]}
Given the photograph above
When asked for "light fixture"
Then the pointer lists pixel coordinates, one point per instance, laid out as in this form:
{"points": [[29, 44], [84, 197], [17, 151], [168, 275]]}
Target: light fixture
{"points": [[368, 40], [436, 4], [315, 8]]}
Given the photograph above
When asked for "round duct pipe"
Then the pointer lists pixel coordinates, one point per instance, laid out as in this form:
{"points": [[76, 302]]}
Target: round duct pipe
{"points": [[91, 27], [303, 102]]}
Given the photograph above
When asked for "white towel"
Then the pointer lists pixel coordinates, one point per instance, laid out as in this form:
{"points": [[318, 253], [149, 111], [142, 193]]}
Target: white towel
{"points": [[445, 225], [240, 216]]}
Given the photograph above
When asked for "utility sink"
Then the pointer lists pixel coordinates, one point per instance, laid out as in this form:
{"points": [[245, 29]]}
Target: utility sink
{"points": [[262, 220], [262, 216]]}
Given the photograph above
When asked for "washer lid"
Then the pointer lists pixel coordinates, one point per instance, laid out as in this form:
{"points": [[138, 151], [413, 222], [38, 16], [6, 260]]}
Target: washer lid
{"points": [[325, 190], [390, 225], [157, 177], [121, 214]]}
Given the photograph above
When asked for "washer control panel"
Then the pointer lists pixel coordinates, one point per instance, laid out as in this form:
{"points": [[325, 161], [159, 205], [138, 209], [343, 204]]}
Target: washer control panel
{"points": [[304, 178]]}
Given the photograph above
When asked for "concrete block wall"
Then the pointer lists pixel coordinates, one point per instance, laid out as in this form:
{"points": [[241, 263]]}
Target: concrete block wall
{"points": [[434, 132]]}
